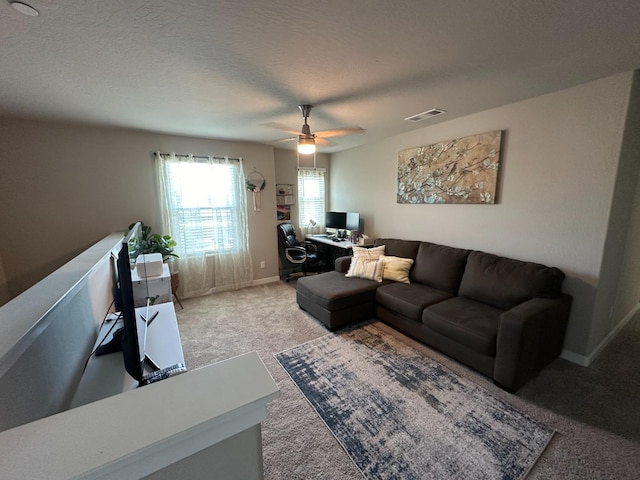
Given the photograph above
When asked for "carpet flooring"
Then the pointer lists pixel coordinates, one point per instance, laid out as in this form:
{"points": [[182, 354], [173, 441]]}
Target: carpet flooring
{"points": [[593, 410]]}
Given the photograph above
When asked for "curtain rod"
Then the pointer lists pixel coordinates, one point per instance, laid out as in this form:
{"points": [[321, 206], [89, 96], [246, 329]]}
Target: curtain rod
{"points": [[195, 156]]}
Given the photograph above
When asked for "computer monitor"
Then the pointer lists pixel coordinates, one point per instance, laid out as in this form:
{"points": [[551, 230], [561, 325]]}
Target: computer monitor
{"points": [[353, 222], [337, 220]]}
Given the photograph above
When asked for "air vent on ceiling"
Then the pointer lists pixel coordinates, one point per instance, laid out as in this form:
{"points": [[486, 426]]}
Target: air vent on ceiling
{"points": [[428, 114]]}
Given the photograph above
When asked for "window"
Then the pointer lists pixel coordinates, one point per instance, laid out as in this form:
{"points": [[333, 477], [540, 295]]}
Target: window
{"points": [[311, 200], [204, 195], [203, 206]]}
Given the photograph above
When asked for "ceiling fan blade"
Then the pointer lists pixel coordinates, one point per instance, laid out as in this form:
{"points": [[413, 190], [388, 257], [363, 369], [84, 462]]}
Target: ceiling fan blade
{"points": [[285, 139], [280, 126], [339, 132], [324, 142]]}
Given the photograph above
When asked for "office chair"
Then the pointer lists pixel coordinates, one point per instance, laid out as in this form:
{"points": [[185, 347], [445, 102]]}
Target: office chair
{"points": [[295, 256]]}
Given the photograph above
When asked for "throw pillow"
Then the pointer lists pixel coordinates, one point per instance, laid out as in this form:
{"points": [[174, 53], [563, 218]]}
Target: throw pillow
{"points": [[396, 268], [362, 252], [368, 268], [365, 263]]}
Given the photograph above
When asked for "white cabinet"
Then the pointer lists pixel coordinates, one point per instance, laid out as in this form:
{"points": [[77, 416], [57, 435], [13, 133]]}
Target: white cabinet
{"points": [[159, 288]]}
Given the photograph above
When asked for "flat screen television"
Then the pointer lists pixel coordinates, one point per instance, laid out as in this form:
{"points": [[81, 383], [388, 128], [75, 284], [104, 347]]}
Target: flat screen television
{"points": [[337, 220], [126, 339], [133, 345]]}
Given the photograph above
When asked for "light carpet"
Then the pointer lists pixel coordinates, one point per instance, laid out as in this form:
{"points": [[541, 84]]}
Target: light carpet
{"points": [[593, 410], [398, 414]]}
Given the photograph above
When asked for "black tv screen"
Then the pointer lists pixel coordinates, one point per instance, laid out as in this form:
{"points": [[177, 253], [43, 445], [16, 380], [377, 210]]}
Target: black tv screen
{"points": [[133, 346], [336, 220]]}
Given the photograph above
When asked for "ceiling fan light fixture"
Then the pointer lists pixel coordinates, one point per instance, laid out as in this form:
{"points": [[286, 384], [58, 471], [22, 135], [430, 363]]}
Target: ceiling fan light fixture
{"points": [[306, 145]]}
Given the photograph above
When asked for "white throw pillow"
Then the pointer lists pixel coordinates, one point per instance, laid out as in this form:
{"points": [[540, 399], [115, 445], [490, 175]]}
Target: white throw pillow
{"points": [[374, 252], [368, 268], [366, 263]]}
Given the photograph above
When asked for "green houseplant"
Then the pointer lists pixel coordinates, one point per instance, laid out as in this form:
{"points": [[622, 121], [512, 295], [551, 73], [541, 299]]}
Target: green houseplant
{"points": [[163, 244], [155, 243]]}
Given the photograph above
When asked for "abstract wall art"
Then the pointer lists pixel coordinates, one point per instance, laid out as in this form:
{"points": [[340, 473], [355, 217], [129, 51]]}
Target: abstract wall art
{"points": [[464, 170]]}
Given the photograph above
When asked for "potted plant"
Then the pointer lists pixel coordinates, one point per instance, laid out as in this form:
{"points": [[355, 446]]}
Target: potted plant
{"points": [[163, 244], [156, 243]]}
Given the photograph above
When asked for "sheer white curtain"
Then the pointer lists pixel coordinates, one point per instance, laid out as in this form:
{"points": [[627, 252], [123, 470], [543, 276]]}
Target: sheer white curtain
{"points": [[203, 206], [311, 200]]}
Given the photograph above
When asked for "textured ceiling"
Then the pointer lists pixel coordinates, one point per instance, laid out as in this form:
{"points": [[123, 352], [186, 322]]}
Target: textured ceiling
{"points": [[224, 69]]}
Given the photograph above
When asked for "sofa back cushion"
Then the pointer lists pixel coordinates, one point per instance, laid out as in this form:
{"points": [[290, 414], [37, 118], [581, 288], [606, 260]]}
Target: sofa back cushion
{"points": [[439, 267], [505, 282], [399, 248]]}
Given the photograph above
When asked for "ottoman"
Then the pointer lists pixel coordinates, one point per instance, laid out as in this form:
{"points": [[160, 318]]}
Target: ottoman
{"points": [[337, 300]]}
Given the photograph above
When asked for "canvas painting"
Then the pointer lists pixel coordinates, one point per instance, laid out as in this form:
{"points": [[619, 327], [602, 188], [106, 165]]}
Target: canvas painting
{"points": [[464, 170]]}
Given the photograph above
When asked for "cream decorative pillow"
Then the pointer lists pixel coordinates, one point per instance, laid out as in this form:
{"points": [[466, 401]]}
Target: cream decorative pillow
{"points": [[362, 252], [369, 268], [396, 268], [366, 263]]}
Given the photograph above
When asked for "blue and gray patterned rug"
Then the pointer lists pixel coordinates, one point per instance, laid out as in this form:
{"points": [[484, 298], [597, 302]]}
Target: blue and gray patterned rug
{"points": [[400, 415]]}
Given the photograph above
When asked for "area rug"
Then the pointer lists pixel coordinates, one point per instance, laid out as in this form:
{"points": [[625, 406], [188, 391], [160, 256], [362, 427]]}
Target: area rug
{"points": [[400, 415]]}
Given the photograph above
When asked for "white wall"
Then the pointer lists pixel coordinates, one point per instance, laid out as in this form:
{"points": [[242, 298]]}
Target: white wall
{"points": [[557, 179], [63, 187], [47, 333]]}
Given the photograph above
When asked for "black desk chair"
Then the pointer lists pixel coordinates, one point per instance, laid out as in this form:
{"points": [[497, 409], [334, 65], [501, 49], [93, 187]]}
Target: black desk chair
{"points": [[295, 256]]}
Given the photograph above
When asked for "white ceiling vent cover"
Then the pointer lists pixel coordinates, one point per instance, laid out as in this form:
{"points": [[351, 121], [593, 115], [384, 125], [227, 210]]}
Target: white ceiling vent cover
{"points": [[428, 114]]}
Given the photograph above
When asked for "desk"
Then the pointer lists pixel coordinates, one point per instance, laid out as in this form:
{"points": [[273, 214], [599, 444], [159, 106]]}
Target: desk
{"points": [[331, 250], [345, 245]]}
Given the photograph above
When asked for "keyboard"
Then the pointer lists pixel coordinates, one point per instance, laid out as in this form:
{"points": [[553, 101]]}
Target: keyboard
{"points": [[163, 373]]}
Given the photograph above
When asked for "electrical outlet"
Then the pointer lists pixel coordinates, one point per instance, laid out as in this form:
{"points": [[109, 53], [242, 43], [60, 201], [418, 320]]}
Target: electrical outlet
{"points": [[263, 264]]}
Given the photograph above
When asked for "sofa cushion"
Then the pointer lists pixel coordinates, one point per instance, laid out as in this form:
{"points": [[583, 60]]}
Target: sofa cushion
{"points": [[409, 300], [439, 267], [469, 323], [399, 248], [333, 291], [504, 282]]}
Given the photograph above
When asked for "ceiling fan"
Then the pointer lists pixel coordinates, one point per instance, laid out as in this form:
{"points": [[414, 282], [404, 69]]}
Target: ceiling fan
{"points": [[307, 141]]}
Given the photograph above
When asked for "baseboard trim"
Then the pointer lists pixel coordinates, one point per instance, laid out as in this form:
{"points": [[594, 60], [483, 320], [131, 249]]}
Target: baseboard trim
{"points": [[263, 281], [576, 358], [586, 360]]}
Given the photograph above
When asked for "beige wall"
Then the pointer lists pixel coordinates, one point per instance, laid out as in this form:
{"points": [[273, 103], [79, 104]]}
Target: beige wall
{"points": [[556, 184], [622, 252], [4, 288], [64, 187]]}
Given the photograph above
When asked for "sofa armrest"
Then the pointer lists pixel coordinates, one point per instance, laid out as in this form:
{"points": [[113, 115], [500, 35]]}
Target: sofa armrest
{"points": [[529, 337], [342, 264]]}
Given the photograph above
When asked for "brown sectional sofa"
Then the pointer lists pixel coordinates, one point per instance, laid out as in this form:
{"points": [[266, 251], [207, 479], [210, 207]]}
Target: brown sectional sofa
{"points": [[503, 317]]}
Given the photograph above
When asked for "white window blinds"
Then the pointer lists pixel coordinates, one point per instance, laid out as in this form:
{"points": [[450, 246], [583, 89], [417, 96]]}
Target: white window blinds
{"points": [[205, 204], [311, 200]]}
